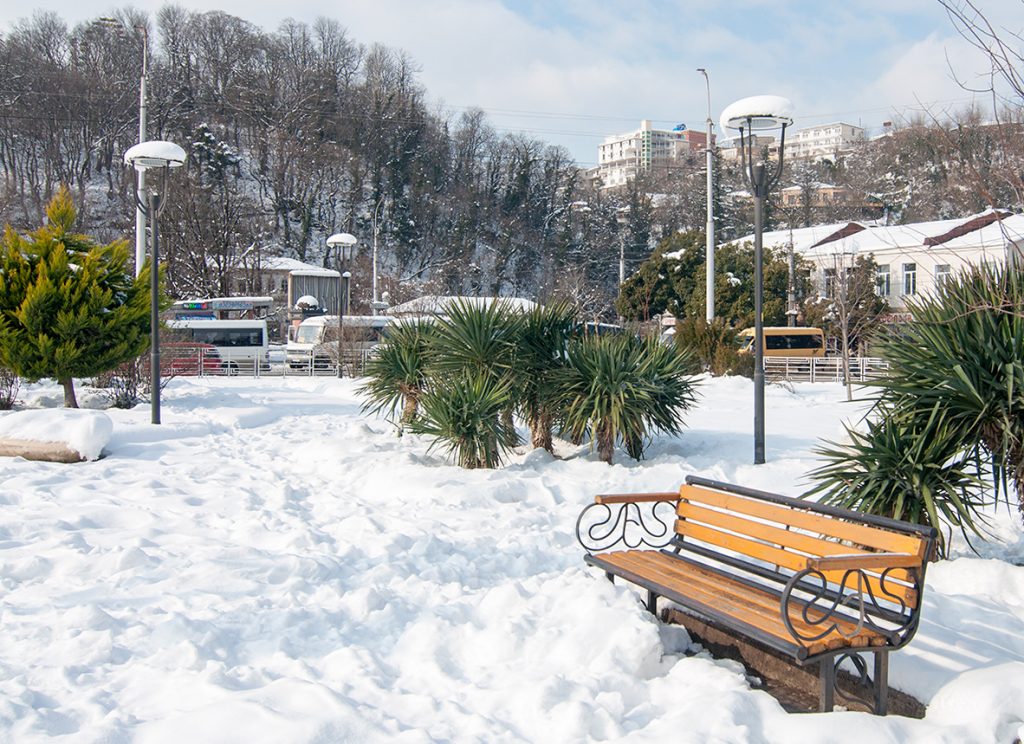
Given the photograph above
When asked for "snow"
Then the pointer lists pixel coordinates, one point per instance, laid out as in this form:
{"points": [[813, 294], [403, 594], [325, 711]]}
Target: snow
{"points": [[875, 238], [765, 112], [271, 566], [154, 154], [84, 432]]}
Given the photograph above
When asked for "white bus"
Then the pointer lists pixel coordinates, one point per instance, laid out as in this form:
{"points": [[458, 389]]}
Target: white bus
{"points": [[242, 344], [316, 338]]}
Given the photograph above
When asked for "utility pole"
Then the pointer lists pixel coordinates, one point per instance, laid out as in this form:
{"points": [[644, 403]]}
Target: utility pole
{"points": [[140, 216], [710, 229]]}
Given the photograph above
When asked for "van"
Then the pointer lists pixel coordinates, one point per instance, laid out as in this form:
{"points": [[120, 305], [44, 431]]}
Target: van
{"points": [[316, 338], [242, 344], [786, 341]]}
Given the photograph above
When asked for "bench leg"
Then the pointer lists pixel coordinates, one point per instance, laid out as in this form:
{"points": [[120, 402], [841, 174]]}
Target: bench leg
{"points": [[881, 682], [827, 691], [610, 576], [652, 603]]}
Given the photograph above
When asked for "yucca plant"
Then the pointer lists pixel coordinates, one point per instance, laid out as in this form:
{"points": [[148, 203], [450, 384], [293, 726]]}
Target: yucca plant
{"points": [[477, 339], [461, 414], [397, 373], [907, 467], [963, 356], [540, 345], [623, 389]]}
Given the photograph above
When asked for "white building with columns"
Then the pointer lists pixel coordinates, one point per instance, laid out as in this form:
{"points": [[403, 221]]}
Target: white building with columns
{"points": [[912, 259]]}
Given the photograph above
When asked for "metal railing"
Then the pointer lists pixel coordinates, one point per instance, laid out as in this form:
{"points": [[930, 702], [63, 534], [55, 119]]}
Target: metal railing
{"points": [[201, 363], [826, 369]]}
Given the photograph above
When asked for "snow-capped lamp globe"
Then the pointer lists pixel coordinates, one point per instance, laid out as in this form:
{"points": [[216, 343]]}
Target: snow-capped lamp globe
{"points": [[153, 160], [752, 116]]}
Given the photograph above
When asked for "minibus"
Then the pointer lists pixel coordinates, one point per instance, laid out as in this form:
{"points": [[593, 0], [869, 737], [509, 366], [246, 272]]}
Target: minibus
{"points": [[786, 341], [242, 344]]}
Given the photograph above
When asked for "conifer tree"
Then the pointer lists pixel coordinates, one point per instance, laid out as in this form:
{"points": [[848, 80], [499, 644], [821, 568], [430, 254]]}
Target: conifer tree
{"points": [[69, 307]]}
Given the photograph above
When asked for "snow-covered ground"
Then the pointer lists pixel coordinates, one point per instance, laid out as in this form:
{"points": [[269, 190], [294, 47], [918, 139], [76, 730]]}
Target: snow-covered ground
{"points": [[271, 566]]}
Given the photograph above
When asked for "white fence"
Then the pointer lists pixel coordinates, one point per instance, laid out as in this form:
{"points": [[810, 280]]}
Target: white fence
{"points": [[826, 369], [197, 363]]}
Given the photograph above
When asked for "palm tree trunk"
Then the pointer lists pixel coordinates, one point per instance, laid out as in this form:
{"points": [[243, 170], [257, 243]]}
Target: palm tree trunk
{"points": [[540, 431], [70, 401], [605, 441], [409, 410]]}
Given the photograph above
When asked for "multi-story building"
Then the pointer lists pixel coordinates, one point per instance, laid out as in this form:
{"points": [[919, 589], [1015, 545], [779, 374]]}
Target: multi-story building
{"points": [[912, 259], [730, 149], [824, 141], [623, 157]]}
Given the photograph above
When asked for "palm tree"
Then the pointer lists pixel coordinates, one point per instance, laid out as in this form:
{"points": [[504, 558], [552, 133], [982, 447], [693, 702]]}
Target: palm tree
{"points": [[461, 413], [621, 388], [540, 352], [963, 356], [912, 468], [397, 373]]}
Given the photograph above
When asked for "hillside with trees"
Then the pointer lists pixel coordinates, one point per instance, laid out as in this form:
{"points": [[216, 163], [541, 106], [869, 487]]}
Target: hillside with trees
{"points": [[299, 132]]}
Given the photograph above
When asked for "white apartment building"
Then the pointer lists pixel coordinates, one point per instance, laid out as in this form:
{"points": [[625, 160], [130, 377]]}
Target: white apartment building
{"points": [[622, 157], [912, 259], [823, 141]]}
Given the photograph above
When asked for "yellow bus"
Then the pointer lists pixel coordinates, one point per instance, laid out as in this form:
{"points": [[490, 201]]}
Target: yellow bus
{"points": [[784, 341]]}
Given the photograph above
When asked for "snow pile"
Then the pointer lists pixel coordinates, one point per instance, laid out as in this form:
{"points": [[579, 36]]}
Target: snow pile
{"points": [[84, 432], [271, 566]]}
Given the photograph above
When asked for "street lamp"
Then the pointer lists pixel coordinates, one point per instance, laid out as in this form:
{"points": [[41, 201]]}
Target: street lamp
{"points": [[750, 115], [709, 232], [140, 215], [157, 157], [375, 305], [345, 244]]}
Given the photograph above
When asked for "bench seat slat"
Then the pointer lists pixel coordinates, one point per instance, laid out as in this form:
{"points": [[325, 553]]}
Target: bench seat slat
{"points": [[812, 545], [727, 601], [764, 602], [785, 558], [859, 534]]}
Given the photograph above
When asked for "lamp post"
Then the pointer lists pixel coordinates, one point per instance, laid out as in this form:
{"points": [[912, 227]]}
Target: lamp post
{"points": [[374, 303], [345, 243], [140, 214], [709, 231], [749, 115], [156, 157]]}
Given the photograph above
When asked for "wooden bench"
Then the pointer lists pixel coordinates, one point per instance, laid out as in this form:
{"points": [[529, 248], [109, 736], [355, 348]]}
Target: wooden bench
{"points": [[812, 583]]}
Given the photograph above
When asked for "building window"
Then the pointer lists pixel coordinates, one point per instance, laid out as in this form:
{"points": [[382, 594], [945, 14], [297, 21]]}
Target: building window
{"points": [[284, 284], [883, 281], [942, 272], [830, 283], [910, 278]]}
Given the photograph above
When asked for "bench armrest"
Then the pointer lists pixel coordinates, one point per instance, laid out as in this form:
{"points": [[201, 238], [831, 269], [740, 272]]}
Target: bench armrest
{"points": [[867, 561], [635, 498], [628, 520]]}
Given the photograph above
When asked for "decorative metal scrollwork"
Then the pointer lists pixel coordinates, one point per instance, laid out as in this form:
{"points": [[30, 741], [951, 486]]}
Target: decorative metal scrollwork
{"points": [[631, 525], [851, 600], [865, 684]]}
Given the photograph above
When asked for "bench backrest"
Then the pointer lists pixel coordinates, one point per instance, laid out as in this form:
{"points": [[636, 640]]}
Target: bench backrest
{"points": [[720, 520]]}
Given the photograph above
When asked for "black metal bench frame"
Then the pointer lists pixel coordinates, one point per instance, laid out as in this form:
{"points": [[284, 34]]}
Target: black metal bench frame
{"points": [[808, 594]]}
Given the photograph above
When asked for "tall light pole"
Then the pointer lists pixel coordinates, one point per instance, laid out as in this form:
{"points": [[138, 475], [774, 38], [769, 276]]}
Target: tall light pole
{"points": [[140, 213], [749, 115], [374, 303], [709, 231], [345, 244], [156, 157]]}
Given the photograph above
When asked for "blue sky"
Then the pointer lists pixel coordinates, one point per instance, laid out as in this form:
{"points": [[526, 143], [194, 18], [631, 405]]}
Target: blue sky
{"points": [[573, 71]]}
